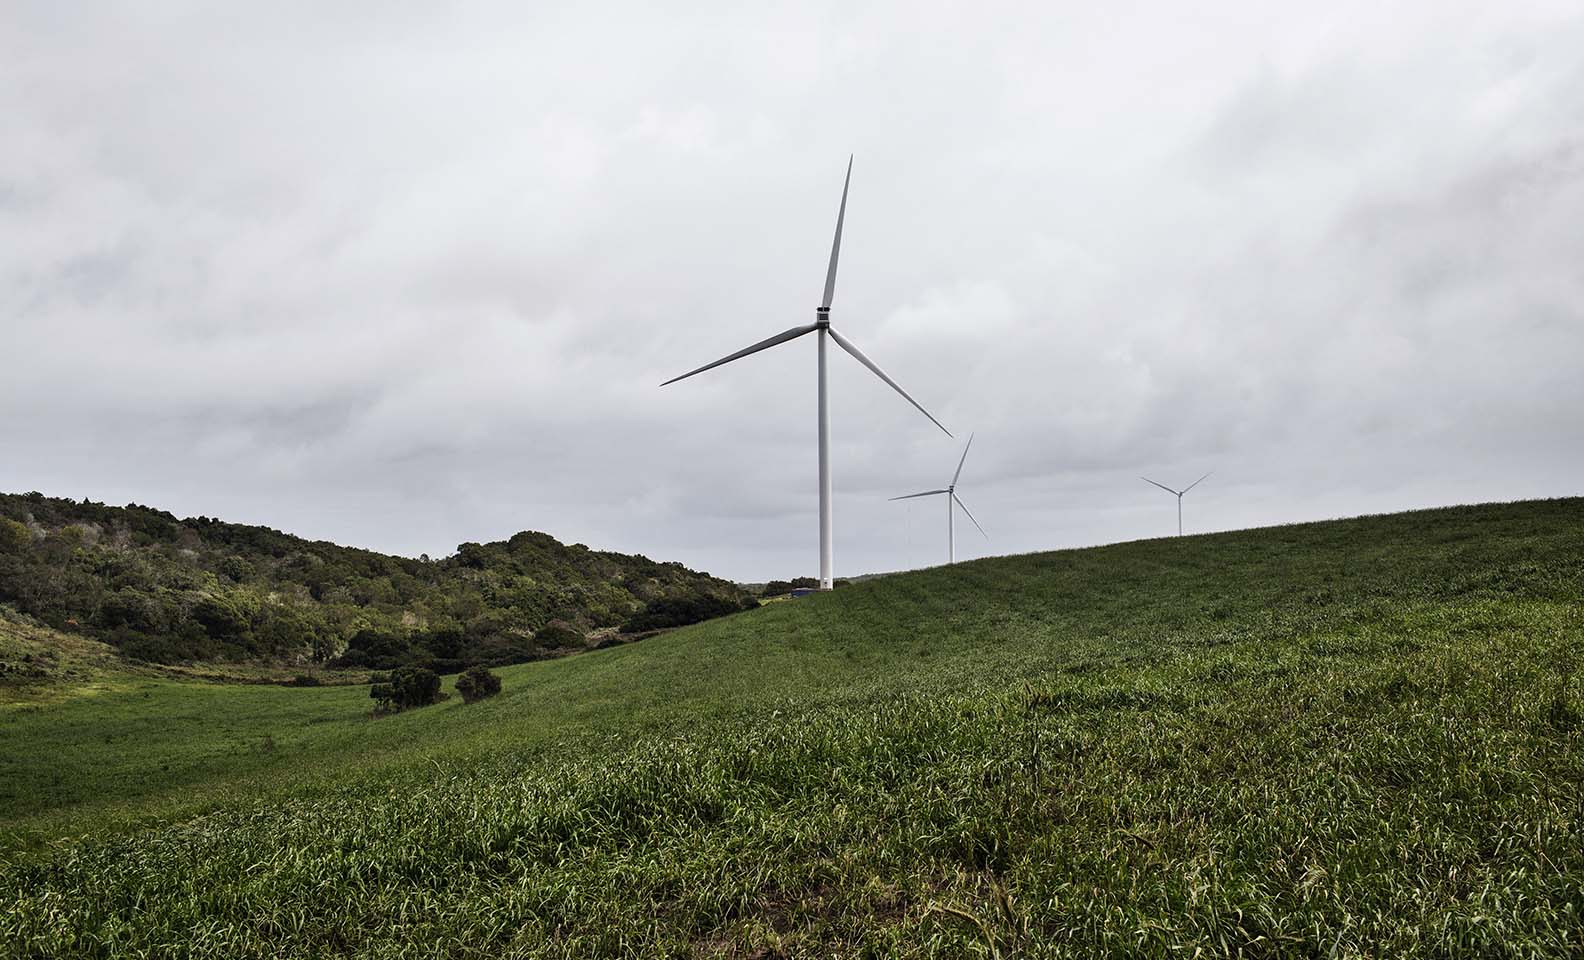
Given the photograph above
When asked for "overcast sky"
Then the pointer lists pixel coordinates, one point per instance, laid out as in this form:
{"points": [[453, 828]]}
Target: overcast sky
{"points": [[402, 279]]}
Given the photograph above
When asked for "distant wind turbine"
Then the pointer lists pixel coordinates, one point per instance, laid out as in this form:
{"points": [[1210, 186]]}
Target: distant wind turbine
{"points": [[950, 490], [1178, 494], [822, 325]]}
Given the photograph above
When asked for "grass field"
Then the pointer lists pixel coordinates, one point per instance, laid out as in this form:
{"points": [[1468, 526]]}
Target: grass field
{"points": [[1357, 738]]}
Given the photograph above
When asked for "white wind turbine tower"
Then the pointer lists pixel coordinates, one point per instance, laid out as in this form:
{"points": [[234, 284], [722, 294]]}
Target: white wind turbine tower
{"points": [[1178, 494], [826, 332], [952, 502]]}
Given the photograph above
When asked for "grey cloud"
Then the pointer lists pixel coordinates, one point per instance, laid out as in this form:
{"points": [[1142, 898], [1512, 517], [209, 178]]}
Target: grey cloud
{"points": [[402, 277]]}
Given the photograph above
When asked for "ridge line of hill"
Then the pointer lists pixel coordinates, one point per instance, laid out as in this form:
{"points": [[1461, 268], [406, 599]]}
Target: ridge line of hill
{"points": [[169, 590]]}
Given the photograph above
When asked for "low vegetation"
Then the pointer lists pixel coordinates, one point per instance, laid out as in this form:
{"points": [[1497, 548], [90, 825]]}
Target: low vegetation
{"points": [[405, 688], [1353, 739], [476, 683], [165, 590], [778, 588]]}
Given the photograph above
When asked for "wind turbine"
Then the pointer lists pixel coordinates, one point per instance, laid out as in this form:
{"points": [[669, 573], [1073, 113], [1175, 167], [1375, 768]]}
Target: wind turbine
{"points": [[1178, 494], [950, 490], [822, 325]]}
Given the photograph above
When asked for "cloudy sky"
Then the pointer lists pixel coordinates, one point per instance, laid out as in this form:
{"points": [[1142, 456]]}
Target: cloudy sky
{"points": [[401, 279]]}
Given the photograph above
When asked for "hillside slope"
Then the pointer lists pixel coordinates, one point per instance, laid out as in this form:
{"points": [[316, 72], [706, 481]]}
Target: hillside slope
{"points": [[1357, 738], [168, 590]]}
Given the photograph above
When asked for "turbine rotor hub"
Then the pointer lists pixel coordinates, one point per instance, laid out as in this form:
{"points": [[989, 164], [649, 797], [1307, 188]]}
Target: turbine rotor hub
{"points": [[822, 318]]}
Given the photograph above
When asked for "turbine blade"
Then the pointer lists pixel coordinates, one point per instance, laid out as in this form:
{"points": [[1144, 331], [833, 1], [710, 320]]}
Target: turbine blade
{"points": [[779, 338], [846, 344], [962, 461], [841, 215], [926, 493], [1196, 482], [1162, 486], [970, 515]]}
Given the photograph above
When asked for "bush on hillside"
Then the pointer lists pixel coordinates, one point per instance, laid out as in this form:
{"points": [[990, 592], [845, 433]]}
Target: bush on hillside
{"points": [[445, 642], [14, 537], [236, 568], [135, 611], [477, 683], [222, 617], [775, 588], [376, 649], [501, 650], [406, 687], [681, 611], [285, 633], [558, 633], [154, 648]]}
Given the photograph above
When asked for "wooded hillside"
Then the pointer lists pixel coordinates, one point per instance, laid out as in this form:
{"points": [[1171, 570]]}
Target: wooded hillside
{"points": [[168, 590]]}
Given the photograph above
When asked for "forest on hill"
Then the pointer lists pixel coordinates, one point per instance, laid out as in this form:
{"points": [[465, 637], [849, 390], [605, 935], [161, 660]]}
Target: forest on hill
{"points": [[169, 590]]}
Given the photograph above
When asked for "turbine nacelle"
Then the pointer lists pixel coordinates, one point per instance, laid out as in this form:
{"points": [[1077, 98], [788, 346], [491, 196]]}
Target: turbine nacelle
{"points": [[952, 503], [1178, 494], [822, 326]]}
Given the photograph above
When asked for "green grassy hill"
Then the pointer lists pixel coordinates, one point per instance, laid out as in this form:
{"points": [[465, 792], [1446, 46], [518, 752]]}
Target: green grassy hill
{"points": [[1357, 738], [200, 590]]}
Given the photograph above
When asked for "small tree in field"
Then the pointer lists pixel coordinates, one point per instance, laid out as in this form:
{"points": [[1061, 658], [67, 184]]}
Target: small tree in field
{"points": [[406, 687], [477, 683]]}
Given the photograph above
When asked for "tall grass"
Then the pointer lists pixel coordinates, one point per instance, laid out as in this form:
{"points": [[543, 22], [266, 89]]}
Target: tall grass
{"points": [[1350, 739]]}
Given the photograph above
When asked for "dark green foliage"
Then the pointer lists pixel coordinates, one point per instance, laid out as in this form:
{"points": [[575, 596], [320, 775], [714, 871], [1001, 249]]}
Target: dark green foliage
{"points": [[169, 590], [162, 647], [288, 628], [446, 642], [404, 688], [224, 617], [776, 588], [500, 649], [236, 568], [681, 611], [134, 610], [476, 683], [376, 649], [14, 536], [558, 634]]}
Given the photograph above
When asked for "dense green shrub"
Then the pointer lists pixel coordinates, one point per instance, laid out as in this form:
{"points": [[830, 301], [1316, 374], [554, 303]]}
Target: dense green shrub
{"points": [[14, 537], [405, 687], [558, 634], [236, 568], [161, 648], [777, 587], [222, 617], [681, 611], [504, 649], [285, 633], [134, 610], [476, 683], [375, 649], [445, 642]]}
